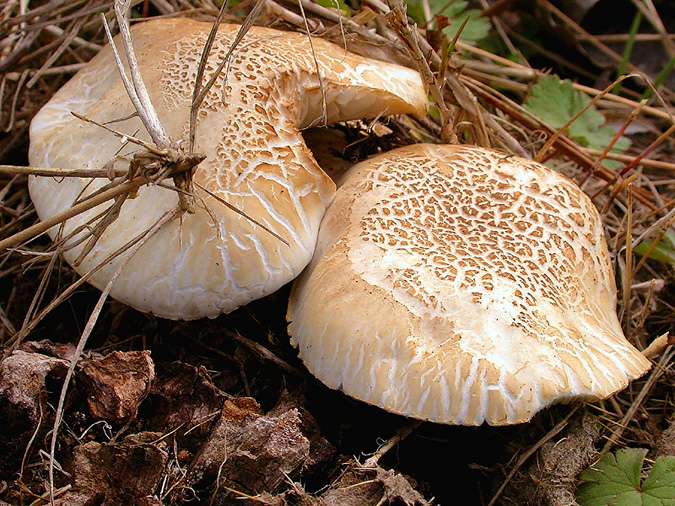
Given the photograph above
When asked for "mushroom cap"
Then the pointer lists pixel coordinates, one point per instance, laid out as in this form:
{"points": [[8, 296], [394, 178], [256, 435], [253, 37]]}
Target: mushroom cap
{"points": [[214, 260], [460, 285]]}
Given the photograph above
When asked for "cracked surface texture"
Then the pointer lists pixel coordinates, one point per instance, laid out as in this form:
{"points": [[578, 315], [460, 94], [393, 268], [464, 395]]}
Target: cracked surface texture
{"points": [[248, 127], [461, 285]]}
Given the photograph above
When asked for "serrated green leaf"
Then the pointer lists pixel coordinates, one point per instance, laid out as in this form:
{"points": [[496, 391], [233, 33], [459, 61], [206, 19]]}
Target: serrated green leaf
{"points": [[476, 29], [555, 102], [615, 481], [660, 484]]}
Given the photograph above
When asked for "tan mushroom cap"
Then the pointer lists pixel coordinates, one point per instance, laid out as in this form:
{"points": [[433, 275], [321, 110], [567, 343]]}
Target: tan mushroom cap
{"points": [[460, 285], [214, 261]]}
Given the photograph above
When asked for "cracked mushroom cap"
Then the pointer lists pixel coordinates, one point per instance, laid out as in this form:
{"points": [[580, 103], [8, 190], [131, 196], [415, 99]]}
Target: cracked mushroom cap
{"points": [[214, 260], [460, 285]]}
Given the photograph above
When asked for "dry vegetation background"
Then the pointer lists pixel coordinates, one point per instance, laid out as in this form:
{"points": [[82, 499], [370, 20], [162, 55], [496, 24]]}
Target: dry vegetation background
{"points": [[222, 411]]}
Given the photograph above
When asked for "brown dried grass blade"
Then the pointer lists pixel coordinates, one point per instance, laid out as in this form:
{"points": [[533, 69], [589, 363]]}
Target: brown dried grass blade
{"points": [[197, 97], [241, 213]]}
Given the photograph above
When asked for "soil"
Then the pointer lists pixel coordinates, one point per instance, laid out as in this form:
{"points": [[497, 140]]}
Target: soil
{"points": [[224, 423]]}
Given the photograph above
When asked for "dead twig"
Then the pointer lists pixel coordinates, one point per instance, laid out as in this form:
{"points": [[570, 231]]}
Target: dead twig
{"points": [[399, 21], [403, 433], [531, 451], [164, 219], [656, 373], [61, 173], [135, 86]]}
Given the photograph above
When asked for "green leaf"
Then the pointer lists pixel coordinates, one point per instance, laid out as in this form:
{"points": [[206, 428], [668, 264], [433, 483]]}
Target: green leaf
{"points": [[476, 29], [663, 252], [615, 481], [555, 102], [335, 4], [660, 485]]}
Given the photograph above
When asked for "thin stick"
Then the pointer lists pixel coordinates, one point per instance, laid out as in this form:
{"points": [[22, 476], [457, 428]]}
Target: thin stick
{"points": [[12, 113], [324, 107], [165, 218], [127, 137], [61, 173], [29, 327], [63, 69], [528, 73], [524, 117], [496, 8], [610, 53], [630, 413], [502, 32], [196, 92], [77, 41], [552, 139], [57, 54], [662, 223], [243, 29], [647, 151], [43, 226], [658, 346], [531, 451], [136, 89], [148, 112], [647, 8], [627, 280], [411, 38], [263, 352], [241, 213], [398, 437]]}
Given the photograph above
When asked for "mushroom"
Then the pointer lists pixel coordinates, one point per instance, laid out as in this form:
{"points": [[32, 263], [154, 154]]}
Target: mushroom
{"points": [[460, 285], [213, 260]]}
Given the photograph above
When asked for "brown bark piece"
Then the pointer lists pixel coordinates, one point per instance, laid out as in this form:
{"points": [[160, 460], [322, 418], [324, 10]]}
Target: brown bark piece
{"points": [[116, 384], [183, 396], [321, 451], [66, 351], [370, 487], [120, 473], [23, 393], [250, 452]]}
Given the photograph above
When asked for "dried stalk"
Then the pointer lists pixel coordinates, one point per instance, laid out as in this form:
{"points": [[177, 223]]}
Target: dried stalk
{"points": [[197, 96], [532, 450], [135, 87], [552, 140], [61, 173], [89, 327], [399, 22], [42, 226]]}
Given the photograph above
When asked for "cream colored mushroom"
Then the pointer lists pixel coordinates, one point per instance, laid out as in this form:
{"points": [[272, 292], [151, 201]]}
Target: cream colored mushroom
{"points": [[461, 285], [213, 261]]}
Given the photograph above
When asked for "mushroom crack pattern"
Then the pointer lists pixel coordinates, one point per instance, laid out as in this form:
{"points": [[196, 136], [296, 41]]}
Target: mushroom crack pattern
{"points": [[248, 127], [516, 237], [258, 139], [469, 230], [460, 285]]}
